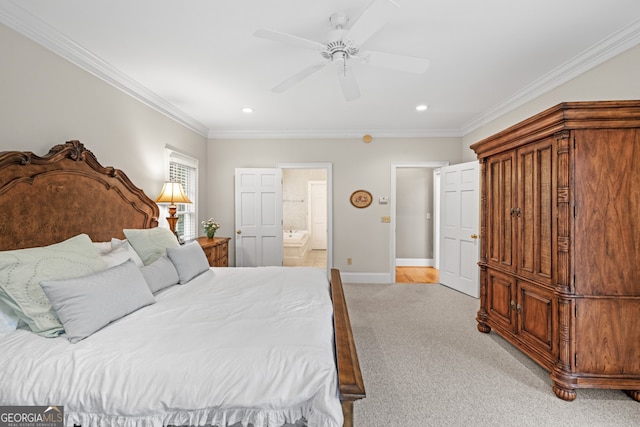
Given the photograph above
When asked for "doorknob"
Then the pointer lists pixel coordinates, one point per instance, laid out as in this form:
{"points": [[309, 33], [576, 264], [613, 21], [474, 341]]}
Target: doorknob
{"points": [[238, 231], [474, 236]]}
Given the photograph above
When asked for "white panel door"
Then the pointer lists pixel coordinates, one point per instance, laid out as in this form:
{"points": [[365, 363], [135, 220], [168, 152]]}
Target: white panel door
{"points": [[258, 217], [459, 220], [318, 214]]}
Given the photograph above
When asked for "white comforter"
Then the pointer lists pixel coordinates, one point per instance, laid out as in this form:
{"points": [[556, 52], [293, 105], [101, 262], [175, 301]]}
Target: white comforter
{"points": [[235, 344]]}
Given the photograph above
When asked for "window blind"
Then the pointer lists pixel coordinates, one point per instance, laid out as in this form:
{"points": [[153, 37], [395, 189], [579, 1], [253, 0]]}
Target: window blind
{"points": [[184, 170]]}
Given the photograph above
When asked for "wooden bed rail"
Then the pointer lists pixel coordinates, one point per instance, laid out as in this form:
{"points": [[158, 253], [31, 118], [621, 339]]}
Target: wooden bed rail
{"points": [[350, 383]]}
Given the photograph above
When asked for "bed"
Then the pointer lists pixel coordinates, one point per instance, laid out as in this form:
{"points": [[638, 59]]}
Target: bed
{"points": [[264, 346]]}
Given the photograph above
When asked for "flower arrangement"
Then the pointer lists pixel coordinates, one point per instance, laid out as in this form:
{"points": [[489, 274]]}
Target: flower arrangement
{"points": [[210, 226]]}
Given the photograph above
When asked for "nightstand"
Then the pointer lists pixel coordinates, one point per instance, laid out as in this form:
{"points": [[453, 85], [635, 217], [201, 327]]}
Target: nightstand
{"points": [[216, 250]]}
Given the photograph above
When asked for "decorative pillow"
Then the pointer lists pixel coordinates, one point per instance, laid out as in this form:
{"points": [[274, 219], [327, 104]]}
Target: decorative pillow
{"points": [[87, 304], [8, 319], [189, 261], [151, 243], [124, 246], [160, 274], [22, 270]]}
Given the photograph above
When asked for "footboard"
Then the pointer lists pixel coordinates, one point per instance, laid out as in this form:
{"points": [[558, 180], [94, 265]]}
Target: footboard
{"points": [[350, 383]]}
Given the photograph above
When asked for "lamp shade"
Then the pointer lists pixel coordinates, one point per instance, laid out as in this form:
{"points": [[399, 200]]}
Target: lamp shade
{"points": [[172, 193]]}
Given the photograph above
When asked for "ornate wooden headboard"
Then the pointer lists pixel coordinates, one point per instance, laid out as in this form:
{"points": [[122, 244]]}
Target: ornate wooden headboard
{"points": [[44, 200]]}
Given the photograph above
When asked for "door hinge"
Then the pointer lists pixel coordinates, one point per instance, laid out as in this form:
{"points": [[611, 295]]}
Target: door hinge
{"points": [[575, 211], [575, 360], [574, 142]]}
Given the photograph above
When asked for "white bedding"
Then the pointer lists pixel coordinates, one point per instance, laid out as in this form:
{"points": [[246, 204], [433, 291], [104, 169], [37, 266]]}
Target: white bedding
{"points": [[258, 349]]}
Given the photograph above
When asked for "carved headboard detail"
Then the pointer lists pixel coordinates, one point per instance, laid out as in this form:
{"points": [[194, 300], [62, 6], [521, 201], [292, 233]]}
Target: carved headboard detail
{"points": [[45, 200]]}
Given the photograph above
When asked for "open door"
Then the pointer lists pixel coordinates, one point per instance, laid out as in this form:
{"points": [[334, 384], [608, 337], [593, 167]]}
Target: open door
{"points": [[459, 221], [258, 199]]}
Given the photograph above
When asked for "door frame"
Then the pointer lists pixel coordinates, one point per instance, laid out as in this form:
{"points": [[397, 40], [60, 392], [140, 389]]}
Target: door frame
{"points": [[394, 169], [329, 168]]}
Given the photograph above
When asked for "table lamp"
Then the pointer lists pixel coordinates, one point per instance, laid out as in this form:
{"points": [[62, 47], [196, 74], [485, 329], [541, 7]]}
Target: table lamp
{"points": [[172, 193]]}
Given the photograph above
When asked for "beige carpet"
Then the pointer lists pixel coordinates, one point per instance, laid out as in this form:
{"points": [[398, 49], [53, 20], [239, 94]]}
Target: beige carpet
{"points": [[425, 364]]}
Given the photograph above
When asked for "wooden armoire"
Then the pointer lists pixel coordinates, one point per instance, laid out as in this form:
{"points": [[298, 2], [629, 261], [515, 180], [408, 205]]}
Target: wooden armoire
{"points": [[560, 243]]}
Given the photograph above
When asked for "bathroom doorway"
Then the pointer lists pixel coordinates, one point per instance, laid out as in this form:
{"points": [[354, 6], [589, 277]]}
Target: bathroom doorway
{"points": [[306, 218]]}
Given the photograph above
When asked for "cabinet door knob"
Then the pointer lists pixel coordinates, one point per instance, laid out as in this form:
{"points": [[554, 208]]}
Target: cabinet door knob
{"points": [[513, 304], [238, 231]]}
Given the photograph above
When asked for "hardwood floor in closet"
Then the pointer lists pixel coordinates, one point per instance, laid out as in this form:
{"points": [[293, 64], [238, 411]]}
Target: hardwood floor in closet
{"points": [[417, 275]]}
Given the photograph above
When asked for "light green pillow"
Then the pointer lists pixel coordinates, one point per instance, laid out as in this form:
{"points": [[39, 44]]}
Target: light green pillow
{"points": [[22, 270], [87, 304], [151, 243]]}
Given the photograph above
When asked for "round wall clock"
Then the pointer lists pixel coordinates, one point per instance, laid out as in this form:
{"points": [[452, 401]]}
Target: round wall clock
{"points": [[361, 198]]}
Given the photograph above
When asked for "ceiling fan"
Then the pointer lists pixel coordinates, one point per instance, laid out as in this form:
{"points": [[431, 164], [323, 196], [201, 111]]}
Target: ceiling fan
{"points": [[343, 45]]}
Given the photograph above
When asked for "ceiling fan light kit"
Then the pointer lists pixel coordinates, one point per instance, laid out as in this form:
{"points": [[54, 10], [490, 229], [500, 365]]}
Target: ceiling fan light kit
{"points": [[344, 45]]}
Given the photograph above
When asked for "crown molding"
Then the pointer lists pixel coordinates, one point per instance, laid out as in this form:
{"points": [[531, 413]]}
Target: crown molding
{"points": [[615, 44], [35, 29], [334, 134]]}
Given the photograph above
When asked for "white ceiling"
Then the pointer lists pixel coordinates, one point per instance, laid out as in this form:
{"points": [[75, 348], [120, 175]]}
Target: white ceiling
{"points": [[198, 61]]}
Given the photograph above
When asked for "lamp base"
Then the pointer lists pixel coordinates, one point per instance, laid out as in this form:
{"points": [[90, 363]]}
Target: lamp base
{"points": [[172, 219]]}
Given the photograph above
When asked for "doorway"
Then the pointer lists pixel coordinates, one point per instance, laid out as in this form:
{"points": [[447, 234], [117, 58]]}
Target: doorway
{"points": [[415, 214], [306, 219]]}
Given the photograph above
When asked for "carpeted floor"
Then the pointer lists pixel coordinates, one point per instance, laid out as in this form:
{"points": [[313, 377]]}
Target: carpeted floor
{"points": [[425, 364]]}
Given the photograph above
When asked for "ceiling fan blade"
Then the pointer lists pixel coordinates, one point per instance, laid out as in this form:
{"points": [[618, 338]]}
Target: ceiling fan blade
{"points": [[298, 77], [410, 64], [289, 39], [372, 19], [348, 83]]}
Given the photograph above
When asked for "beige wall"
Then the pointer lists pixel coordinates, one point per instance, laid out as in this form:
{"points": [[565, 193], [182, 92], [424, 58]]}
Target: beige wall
{"points": [[357, 233], [45, 100], [616, 79]]}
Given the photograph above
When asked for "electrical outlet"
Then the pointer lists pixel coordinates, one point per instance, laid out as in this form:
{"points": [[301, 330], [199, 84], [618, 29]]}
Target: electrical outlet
{"points": [[349, 261]]}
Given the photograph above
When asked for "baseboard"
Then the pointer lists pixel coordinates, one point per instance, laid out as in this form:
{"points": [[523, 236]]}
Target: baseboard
{"points": [[414, 262], [365, 277]]}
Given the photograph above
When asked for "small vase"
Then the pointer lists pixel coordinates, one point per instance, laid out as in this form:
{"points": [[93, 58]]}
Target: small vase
{"points": [[211, 234]]}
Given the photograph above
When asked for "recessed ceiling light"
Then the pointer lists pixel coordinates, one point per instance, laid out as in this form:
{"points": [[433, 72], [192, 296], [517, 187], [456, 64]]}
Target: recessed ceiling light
{"points": [[247, 110], [421, 107]]}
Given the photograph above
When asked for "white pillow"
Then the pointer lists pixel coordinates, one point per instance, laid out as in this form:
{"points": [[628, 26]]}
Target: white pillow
{"points": [[189, 261], [160, 274], [87, 304], [123, 245], [151, 243], [22, 270]]}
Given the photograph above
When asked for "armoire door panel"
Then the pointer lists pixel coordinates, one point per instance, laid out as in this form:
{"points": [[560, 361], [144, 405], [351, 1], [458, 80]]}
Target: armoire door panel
{"points": [[609, 333], [500, 215], [536, 310], [536, 190], [501, 298], [607, 198]]}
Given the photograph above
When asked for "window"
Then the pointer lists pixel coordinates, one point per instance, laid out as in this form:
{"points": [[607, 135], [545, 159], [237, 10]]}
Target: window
{"points": [[184, 169]]}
